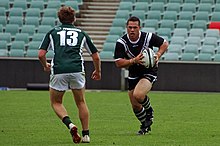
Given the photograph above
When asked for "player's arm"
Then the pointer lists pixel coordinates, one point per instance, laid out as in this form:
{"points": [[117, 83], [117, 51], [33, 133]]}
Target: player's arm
{"points": [[161, 43], [162, 49], [124, 63], [96, 75], [121, 61], [43, 60]]}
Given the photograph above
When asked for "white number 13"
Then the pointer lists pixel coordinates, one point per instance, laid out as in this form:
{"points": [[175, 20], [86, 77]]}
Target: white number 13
{"points": [[69, 37]]}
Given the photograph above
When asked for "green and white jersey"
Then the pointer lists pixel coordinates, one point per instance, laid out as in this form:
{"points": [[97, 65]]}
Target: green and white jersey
{"points": [[67, 42]]}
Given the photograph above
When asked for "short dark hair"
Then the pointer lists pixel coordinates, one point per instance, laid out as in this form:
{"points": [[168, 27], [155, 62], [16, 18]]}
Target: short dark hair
{"points": [[134, 18], [66, 14]]}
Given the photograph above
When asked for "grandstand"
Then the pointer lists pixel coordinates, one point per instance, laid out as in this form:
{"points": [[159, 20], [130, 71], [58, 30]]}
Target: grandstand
{"points": [[191, 26]]}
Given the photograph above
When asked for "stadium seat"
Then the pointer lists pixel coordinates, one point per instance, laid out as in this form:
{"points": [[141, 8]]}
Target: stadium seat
{"points": [[188, 57], [154, 15], [2, 11], [16, 20], [216, 58], [151, 23], [170, 15], [3, 45], [176, 1], [191, 48], [30, 29], [186, 15], [106, 55], [112, 38], [3, 20], [149, 29], [3, 53], [207, 1], [175, 48], [212, 33], [125, 6], [202, 16], [180, 32], [171, 56], [215, 16], [37, 4], [178, 40], [32, 21], [157, 6], [73, 4], [164, 32], [162, 1], [141, 6], [1, 28], [217, 7], [173, 7], [32, 53], [202, 24], [196, 32], [167, 24], [17, 53], [48, 21], [34, 45], [38, 36], [54, 4], [207, 49], [5, 37], [183, 24], [210, 41], [138, 13], [12, 29], [17, 45], [5, 4], [109, 46], [20, 4], [116, 31], [43, 28], [204, 57], [16, 12], [191, 1], [33, 12], [22, 37], [133, 1], [49, 12], [194, 40], [122, 14], [119, 22], [189, 7], [204, 7], [214, 25]]}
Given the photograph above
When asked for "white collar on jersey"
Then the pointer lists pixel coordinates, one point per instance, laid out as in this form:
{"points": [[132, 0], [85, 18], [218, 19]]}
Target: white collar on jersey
{"points": [[136, 40]]}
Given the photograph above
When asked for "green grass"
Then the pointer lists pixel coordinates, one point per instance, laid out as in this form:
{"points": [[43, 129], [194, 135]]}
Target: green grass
{"points": [[181, 119]]}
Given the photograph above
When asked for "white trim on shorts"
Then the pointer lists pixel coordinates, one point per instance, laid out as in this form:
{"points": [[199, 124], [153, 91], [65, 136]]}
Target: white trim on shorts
{"points": [[63, 82]]}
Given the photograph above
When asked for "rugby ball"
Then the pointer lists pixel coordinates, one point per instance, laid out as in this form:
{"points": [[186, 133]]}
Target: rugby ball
{"points": [[149, 59]]}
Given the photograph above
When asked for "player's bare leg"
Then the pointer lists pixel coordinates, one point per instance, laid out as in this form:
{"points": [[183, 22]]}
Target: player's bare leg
{"points": [[79, 96], [145, 114], [56, 98]]}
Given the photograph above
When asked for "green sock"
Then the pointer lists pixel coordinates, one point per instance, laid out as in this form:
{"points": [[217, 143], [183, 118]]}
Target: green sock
{"points": [[66, 120]]}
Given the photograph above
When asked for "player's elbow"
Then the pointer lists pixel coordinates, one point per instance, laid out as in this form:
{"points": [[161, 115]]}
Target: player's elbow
{"points": [[41, 54]]}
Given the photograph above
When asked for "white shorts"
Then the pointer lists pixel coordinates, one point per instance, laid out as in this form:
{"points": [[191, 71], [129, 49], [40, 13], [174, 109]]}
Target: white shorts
{"points": [[62, 82]]}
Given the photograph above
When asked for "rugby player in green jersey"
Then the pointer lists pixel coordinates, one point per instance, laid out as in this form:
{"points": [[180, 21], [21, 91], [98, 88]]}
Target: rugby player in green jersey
{"points": [[67, 69]]}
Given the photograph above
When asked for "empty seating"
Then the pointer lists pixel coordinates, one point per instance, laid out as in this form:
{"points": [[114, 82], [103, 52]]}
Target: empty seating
{"points": [[188, 57]]}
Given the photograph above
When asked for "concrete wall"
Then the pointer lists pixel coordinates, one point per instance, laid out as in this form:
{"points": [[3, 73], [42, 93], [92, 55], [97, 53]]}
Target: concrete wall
{"points": [[194, 76]]}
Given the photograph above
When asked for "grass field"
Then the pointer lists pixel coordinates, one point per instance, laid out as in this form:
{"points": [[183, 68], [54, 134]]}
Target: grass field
{"points": [[181, 119]]}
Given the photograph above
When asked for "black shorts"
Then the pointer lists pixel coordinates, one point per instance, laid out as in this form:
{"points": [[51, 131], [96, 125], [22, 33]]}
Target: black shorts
{"points": [[132, 81]]}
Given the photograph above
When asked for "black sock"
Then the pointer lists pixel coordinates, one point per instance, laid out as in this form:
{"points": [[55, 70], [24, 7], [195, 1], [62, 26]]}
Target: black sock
{"points": [[85, 132], [66, 120], [141, 115], [146, 103]]}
